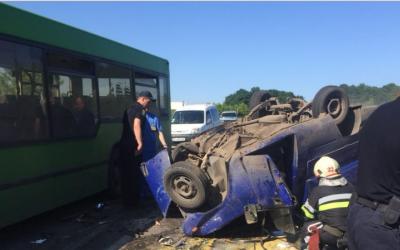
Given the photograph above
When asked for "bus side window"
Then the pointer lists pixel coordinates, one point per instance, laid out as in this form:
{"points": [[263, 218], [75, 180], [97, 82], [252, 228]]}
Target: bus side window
{"points": [[72, 96], [72, 106], [21, 87], [115, 91]]}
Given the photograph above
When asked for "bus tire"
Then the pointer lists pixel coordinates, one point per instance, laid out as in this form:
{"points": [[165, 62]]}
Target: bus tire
{"points": [[331, 100], [114, 173], [186, 184]]}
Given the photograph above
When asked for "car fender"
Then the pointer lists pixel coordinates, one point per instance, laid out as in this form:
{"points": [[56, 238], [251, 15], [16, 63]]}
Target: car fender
{"points": [[252, 179]]}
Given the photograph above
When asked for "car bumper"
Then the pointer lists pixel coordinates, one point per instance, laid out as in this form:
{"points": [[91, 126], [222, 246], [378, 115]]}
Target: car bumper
{"points": [[176, 139]]}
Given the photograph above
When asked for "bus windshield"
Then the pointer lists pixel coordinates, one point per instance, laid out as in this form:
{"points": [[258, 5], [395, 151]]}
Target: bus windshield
{"points": [[188, 117]]}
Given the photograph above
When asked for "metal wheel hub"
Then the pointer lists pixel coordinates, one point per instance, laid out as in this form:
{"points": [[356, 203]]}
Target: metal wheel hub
{"points": [[184, 187], [334, 108]]}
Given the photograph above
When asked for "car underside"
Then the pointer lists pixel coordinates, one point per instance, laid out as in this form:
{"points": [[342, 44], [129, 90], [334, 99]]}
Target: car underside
{"points": [[260, 166]]}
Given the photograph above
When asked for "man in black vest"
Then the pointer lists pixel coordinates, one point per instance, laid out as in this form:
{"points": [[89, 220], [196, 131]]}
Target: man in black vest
{"points": [[131, 147], [374, 215]]}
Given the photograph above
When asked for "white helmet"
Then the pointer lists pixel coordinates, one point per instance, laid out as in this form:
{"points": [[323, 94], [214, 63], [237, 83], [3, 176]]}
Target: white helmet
{"points": [[325, 167]]}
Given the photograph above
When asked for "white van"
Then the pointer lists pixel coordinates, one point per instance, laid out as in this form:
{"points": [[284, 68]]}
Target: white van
{"points": [[191, 120]]}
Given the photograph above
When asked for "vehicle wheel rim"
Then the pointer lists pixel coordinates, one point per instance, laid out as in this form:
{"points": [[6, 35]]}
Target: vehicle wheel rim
{"points": [[184, 187], [334, 107]]}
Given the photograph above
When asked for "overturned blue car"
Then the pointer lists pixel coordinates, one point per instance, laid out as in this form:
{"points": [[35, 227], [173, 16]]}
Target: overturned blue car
{"points": [[259, 167]]}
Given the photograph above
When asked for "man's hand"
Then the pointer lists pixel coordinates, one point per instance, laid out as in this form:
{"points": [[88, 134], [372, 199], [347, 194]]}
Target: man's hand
{"points": [[139, 147], [165, 146]]}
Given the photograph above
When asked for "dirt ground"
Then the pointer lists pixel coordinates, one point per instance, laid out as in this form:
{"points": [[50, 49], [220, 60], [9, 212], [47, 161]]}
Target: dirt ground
{"points": [[102, 223]]}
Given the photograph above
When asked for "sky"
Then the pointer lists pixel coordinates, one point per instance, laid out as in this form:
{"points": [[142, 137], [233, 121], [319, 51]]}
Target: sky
{"points": [[216, 48]]}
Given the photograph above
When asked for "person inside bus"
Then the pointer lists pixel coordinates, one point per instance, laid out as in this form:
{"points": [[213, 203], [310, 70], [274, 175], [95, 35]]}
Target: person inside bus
{"points": [[40, 126], [131, 146], [7, 120], [64, 124], [85, 120]]}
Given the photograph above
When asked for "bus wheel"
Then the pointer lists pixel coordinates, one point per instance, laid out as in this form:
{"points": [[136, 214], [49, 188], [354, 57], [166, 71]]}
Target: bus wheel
{"points": [[114, 173], [186, 184]]}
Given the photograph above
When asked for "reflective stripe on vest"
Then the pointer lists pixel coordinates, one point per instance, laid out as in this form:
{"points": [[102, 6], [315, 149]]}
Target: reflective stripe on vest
{"points": [[307, 213], [333, 205], [334, 197]]}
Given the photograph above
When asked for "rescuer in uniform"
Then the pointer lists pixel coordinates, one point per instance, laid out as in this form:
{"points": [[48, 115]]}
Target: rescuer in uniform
{"points": [[374, 215], [327, 206], [131, 147]]}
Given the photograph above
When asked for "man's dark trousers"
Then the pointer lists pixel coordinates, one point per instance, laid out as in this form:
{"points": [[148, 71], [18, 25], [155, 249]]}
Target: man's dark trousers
{"points": [[367, 230]]}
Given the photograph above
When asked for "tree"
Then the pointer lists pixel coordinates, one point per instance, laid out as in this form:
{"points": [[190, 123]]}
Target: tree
{"points": [[240, 96], [370, 95]]}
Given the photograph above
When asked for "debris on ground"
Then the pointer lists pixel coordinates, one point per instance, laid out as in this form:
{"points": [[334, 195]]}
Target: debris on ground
{"points": [[40, 241], [166, 241], [99, 205], [103, 222]]}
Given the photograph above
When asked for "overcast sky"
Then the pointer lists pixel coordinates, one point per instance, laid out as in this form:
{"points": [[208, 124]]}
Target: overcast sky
{"points": [[215, 49]]}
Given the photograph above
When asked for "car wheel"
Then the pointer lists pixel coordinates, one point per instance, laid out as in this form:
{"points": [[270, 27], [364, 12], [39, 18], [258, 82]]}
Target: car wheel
{"points": [[257, 98], [333, 101], [182, 150], [186, 184]]}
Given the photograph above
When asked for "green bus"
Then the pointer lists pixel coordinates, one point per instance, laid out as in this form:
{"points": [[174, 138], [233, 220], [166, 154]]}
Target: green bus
{"points": [[63, 92]]}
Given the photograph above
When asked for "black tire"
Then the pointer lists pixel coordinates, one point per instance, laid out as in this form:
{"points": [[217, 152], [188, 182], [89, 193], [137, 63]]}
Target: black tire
{"points": [[181, 151], [333, 101], [258, 97], [186, 184], [114, 173]]}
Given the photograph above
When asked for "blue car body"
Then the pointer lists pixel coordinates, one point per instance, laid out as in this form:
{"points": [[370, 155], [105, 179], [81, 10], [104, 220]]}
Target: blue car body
{"points": [[256, 183]]}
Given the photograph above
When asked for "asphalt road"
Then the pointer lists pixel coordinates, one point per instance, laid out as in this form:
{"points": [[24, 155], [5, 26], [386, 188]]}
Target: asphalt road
{"points": [[101, 223]]}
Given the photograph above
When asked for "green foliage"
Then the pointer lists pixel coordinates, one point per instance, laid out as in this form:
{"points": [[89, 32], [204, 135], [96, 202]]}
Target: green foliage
{"points": [[239, 100], [7, 83], [283, 96], [370, 95], [241, 108], [240, 96]]}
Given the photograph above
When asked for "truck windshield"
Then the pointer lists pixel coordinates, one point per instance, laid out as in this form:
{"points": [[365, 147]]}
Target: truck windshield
{"points": [[188, 117]]}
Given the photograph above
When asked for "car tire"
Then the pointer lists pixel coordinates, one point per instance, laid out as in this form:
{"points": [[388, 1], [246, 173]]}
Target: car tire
{"points": [[257, 98], [186, 184], [331, 100], [181, 151]]}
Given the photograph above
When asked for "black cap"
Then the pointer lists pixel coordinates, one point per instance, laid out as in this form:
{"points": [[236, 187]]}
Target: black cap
{"points": [[146, 93]]}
